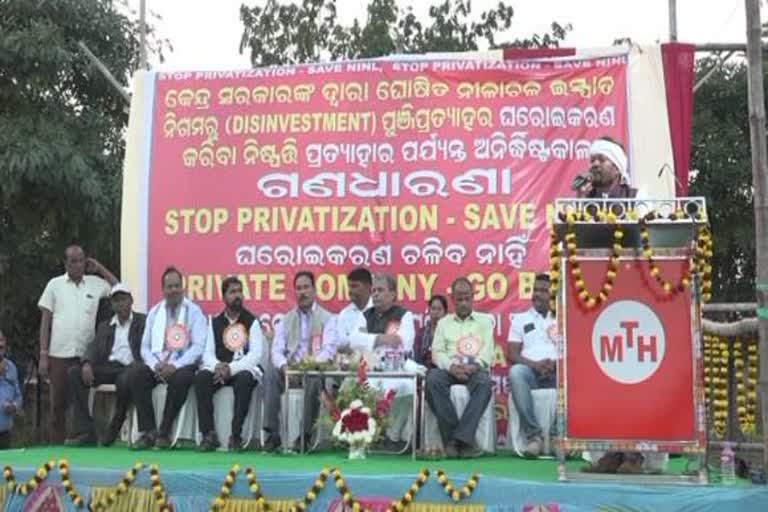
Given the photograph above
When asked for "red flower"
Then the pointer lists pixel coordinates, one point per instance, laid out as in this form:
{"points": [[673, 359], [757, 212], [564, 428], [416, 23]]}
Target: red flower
{"points": [[383, 406], [362, 372], [355, 421]]}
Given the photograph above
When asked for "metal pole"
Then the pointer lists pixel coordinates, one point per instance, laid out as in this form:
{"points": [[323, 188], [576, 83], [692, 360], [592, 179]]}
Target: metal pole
{"points": [[673, 20], [760, 186], [105, 71], [143, 34]]}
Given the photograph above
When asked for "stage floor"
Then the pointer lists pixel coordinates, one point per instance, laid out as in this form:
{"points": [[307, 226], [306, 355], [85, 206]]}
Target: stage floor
{"points": [[507, 483]]}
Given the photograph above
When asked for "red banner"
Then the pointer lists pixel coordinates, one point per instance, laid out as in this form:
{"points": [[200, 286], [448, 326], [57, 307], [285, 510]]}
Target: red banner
{"points": [[426, 169], [629, 363]]}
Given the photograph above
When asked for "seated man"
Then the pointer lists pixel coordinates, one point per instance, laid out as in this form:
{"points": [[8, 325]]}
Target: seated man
{"points": [[462, 350], [233, 351], [390, 334], [306, 331], [171, 347], [10, 396], [115, 349], [532, 354]]}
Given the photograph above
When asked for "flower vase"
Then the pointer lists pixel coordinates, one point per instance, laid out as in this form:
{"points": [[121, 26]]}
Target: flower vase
{"points": [[357, 451]]}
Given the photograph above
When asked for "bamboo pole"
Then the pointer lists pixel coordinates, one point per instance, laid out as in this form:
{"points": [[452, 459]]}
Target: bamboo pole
{"points": [[760, 186], [729, 307], [742, 327], [673, 20]]}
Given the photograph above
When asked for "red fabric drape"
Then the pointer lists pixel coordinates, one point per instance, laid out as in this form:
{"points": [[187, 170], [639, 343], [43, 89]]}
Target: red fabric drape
{"points": [[537, 53], [678, 61]]}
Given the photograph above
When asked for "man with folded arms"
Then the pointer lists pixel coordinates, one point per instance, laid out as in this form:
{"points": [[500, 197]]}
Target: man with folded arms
{"points": [[116, 348], [462, 350], [173, 341], [233, 352]]}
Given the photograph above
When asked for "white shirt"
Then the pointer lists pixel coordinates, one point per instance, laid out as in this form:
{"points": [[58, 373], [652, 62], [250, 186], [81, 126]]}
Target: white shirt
{"points": [[74, 307], [350, 328], [537, 333], [240, 362], [121, 348]]}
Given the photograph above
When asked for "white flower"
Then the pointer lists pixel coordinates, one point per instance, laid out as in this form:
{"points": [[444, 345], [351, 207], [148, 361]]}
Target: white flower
{"points": [[356, 404]]}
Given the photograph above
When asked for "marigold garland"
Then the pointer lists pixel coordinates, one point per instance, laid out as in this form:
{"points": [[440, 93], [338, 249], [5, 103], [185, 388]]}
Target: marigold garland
{"points": [[40, 475], [319, 483], [69, 487], [158, 489], [255, 488], [346, 493], [716, 379], [554, 269], [410, 494], [120, 489], [226, 489], [10, 478], [751, 396], [457, 494], [582, 292]]}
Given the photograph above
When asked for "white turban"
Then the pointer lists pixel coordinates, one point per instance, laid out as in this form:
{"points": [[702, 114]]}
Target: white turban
{"points": [[612, 152]]}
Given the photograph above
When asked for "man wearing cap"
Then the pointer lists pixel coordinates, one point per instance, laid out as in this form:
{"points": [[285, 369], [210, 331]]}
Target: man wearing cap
{"points": [[171, 348], [68, 309], [608, 174], [233, 352], [115, 349]]}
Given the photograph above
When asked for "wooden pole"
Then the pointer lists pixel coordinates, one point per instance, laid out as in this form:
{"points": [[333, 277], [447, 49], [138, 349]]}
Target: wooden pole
{"points": [[673, 20], [760, 186]]}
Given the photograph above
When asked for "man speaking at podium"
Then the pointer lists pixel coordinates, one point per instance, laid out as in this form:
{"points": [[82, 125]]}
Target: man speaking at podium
{"points": [[607, 176]]}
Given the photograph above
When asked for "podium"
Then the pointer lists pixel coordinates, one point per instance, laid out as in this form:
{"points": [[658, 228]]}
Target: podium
{"points": [[628, 279]]}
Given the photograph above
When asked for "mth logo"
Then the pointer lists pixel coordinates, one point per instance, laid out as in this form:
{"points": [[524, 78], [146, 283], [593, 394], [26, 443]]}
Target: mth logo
{"points": [[628, 341]]}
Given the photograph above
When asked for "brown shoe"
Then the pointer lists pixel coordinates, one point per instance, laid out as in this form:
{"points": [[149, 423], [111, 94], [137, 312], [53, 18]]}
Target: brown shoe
{"points": [[533, 447], [235, 443], [451, 451], [162, 442], [608, 463], [146, 441], [210, 442], [632, 465]]}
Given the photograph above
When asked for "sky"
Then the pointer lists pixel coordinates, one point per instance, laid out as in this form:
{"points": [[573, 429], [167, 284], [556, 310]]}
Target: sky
{"points": [[205, 34]]}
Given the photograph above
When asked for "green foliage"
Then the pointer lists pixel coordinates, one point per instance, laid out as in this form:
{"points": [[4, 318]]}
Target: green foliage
{"points": [[280, 33], [722, 172], [61, 145]]}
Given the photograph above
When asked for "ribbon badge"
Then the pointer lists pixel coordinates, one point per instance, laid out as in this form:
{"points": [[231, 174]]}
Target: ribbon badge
{"points": [[235, 337], [176, 337]]}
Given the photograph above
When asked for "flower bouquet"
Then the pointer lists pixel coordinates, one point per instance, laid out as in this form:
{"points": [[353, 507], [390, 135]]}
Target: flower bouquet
{"points": [[358, 412]]}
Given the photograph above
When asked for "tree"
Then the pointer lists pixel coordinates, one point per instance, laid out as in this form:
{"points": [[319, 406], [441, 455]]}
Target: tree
{"points": [[61, 145], [292, 34], [721, 163]]}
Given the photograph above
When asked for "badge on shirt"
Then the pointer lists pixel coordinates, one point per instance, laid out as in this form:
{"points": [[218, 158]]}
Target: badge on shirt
{"points": [[553, 333], [468, 346], [235, 336], [392, 328], [316, 343], [176, 337]]}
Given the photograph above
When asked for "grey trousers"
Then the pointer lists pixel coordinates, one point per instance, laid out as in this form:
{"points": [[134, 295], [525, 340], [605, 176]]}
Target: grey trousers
{"points": [[438, 394], [274, 387]]}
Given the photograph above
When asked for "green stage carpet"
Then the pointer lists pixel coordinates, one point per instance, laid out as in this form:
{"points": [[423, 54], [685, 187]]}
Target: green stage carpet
{"points": [[503, 465]]}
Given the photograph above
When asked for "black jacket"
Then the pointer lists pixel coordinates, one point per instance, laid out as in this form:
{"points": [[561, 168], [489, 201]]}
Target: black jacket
{"points": [[100, 348]]}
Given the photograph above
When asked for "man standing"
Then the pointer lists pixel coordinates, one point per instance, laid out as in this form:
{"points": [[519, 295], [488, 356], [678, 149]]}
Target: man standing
{"points": [[233, 352], [171, 347], [532, 354], [462, 350], [10, 395], [306, 331], [116, 348], [390, 334], [69, 305]]}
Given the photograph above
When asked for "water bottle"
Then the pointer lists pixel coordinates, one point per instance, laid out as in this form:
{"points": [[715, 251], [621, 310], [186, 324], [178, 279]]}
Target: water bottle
{"points": [[727, 465]]}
